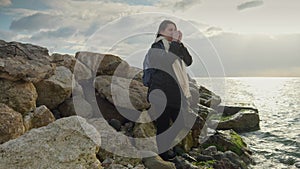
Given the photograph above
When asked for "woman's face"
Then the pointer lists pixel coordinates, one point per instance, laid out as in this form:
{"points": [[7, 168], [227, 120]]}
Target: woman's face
{"points": [[168, 32]]}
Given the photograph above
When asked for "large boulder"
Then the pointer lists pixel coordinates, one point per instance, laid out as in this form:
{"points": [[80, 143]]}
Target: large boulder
{"points": [[244, 120], [75, 106], [156, 162], [104, 64], [56, 89], [41, 116], [208, 98], [19, 95], [145, 130], [80, 71], [11, 123], [241, 117], [26, 62], [66, 143], [228, 140], [125, 92], [108, 110]]}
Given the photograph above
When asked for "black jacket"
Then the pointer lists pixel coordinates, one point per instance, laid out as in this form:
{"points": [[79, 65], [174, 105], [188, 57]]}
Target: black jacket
{"points": [[164, 77]]}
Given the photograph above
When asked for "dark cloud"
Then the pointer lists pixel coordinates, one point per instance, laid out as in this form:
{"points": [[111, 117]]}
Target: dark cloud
{"points": [[250, 4], [35, 22]]}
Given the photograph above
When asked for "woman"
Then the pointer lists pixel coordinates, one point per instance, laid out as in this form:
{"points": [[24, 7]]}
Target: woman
{"points": [[165, 70]]}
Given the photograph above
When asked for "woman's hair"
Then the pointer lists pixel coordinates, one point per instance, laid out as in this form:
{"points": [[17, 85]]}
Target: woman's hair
{"points": [[163, 25]]}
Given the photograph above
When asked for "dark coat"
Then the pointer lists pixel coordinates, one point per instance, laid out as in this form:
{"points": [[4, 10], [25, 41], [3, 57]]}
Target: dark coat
{"points": [[164, 77]]}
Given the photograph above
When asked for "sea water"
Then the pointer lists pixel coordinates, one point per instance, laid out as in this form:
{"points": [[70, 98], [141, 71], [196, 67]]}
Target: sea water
{"points": [[277, 143]]}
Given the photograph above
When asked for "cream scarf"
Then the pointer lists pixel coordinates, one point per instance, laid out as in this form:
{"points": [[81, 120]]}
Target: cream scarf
{"points": [[179, 69]]}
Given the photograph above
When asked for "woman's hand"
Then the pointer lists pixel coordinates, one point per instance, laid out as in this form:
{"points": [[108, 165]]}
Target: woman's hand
{"points": [[177, 36]]}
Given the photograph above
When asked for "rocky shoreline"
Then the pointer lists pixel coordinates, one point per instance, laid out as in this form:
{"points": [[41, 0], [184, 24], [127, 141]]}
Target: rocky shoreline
{"points": [[49, 115]]}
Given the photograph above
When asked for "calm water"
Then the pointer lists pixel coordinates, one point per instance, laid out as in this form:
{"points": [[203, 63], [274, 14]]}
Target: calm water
{"points": [[277, 144]]}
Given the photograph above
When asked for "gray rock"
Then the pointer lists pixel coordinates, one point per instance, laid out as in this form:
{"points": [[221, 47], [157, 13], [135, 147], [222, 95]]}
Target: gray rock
{"points": [[235, 159], [208, 98], [156, 162], [188, 157], [116, 166], [104, 64], [125, 92], [56, 89], [80, 71], [244, 120], [11, 124], [297, 164], [41, 116], [202, 157], [26, 62], [66, 143], [116, 124], [181, 163], [230, 108], [211, 150], [21, 96], [75, 106], [225, 163]]}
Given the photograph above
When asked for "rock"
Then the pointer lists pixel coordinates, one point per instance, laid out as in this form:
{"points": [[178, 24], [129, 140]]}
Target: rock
{"points": [[202, 157], [41, 116], [124, 93], [108, 110], [145, 130], [127, 129], [188, 157], [82, 107], [21, 96], [187, 142], [116, 124], [56, 89], [205, 111], [116, 166], [181, 163], [135, 73], [104, 64], [225, 163], [244, 120], [26, 62], [219, 155], [211, 150], [229, 140], [297, 164], [80, 71], [235, 159], [231, 108], [77, 90], [140, 166], [156, 162], [208, 98], [66, 143], [113, 141], [109, 158], [11, 124], [107, 162]]}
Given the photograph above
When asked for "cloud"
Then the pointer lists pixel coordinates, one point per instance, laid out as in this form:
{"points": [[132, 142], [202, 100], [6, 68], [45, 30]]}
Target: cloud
{"points": [[7, 35], [213, 31], [5, 3], [178, 5], [35, 22], [250, 4], [63, 32]]}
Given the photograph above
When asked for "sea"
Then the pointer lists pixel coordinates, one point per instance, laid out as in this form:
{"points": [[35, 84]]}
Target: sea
{"points": [[277, 144]]}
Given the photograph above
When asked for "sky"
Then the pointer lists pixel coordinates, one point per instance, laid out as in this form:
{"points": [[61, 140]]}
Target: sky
{"points": [[234, 38]]}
